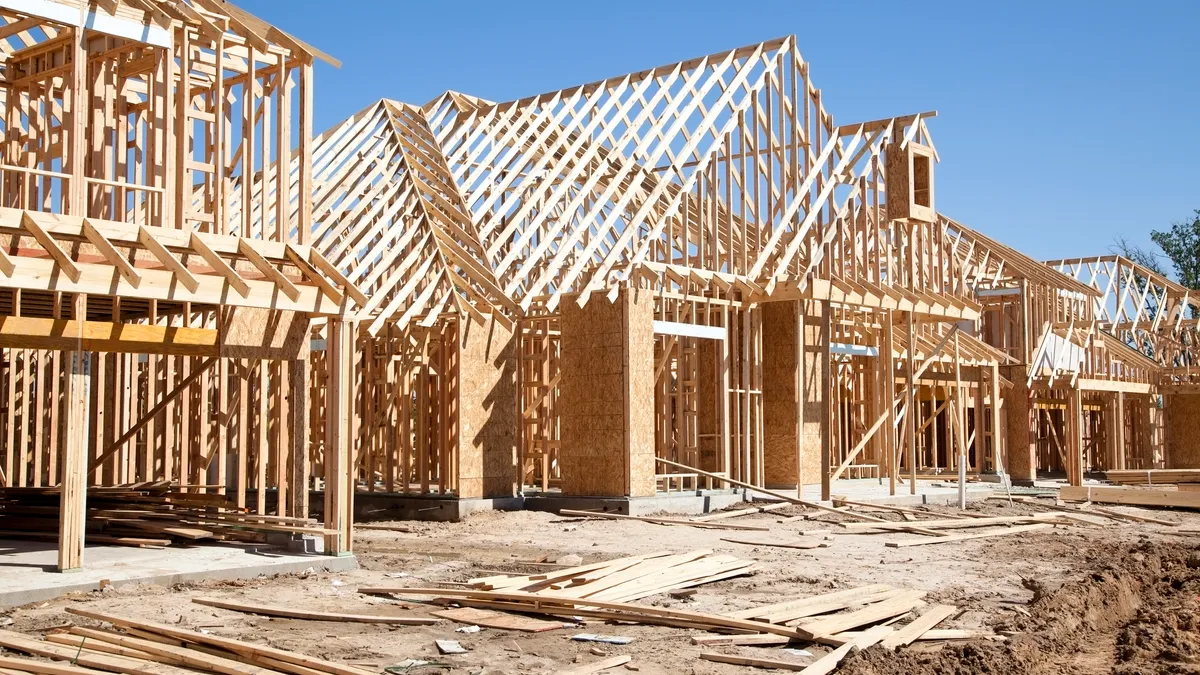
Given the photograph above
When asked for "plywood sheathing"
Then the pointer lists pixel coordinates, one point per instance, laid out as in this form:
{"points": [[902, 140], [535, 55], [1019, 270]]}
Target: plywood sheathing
{"points": [[815, 377], [607, 385], [782, 340], [487, 410]]}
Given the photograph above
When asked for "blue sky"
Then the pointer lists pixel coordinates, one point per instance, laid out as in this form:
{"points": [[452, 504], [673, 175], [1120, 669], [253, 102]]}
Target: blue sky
{"points": [[1061, 125]]}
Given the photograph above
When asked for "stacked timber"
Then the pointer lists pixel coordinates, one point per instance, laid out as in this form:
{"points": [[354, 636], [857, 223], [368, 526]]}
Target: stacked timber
{"points": [[148, 515], [148, 648], [1133, 496], [1153, 476]]}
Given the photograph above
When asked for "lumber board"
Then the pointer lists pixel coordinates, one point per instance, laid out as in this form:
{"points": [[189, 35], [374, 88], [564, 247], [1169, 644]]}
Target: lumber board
{"points": [[957, 523], [737, 513], [286, 658], [753, 661], [268, 610], [904, 602], [829, 663], [929, 618], [1132, 496], [44, 668], [597, 666], [172, 653], [804, 545], [850, 594], [550, 601], [757, 640], [116, 664], [964, 537], [501, 620], [662, 521]]}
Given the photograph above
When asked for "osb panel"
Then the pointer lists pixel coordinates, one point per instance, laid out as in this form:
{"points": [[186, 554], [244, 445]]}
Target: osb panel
{"points": [[1182, 430], [607, 385], [487, 410], [708, 397], [253, 333], [1021, 462], [814, 395], [639, 365], [780, 326]]}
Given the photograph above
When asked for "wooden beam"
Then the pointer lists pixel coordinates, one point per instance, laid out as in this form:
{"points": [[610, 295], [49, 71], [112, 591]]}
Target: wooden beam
{"points": [[177, 268], [64, 261], [268, 270], [219, 265], [111, 254], [23, 332]]}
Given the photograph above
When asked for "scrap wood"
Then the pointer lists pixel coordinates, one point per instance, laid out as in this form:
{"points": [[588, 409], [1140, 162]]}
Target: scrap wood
{"points": [[117, 664], [736, 513], [1130, 495], [44, 668], [759, 640], [828, 663], [501, 620], [913, 631], [902, 603], [783, 611], [267, 610], [752, 661], [957, 523], [839, 501], [778, 544], [597, 666], [299, 664], [172, 653], [572, 614], [963, 537], [1134, 517], [627, 609], [661, 521]]}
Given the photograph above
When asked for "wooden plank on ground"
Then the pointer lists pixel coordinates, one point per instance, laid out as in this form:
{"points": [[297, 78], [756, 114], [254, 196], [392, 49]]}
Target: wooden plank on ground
{"points": [[286, 612], [963, 537], [299, 664], [661, 521], [597, 666], [493, 619], [778, 544], [1133, 496], [905, 602], [829, 663], [906, 635]]}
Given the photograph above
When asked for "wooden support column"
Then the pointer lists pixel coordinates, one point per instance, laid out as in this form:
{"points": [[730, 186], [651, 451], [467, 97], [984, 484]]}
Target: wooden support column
{"points": [[297, 420], [825, 346], [339, 458], [887, 359], [1075, 436], [487, 410], [73, 454], [782, 414], [606, 394], [1022, 425], [998, 459], [911, 404], [1120, 431]]}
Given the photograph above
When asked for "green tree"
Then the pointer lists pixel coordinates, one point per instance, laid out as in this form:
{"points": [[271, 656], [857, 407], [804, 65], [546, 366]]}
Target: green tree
{"points": [[1181, 244]]}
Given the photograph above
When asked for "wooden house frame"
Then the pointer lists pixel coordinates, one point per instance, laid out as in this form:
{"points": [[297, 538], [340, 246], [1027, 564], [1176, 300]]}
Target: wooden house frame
{"points": [[1082, 399], [149, 333]]}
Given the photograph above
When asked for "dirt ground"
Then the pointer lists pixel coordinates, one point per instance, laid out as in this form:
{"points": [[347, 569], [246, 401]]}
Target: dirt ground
{"points": [[1120, 598]]}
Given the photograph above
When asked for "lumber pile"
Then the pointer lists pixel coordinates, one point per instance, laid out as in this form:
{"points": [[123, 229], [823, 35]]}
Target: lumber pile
{"points": [[1130, 495], [623, 579], [149, 515], [149, 648], [1153, 476]]}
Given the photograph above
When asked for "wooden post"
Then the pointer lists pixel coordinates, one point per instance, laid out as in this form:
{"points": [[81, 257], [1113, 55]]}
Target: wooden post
{"points": [[889, 388], [1075, 441], [73, 457], [960, 420], [911, 388], [339, 464], [997, 450], [1120, 435], [297, 419], [825, 347]]}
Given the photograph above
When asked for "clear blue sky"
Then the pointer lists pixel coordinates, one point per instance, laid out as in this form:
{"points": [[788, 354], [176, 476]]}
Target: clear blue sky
{"points": [[1060, 124]]}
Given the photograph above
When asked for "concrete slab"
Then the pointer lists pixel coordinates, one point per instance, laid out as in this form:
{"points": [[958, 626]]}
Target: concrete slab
{"points": [[27, 567]]}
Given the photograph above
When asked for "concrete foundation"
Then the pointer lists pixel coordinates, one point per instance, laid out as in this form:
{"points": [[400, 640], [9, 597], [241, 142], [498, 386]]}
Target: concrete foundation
{"points": [[29, 576]]}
